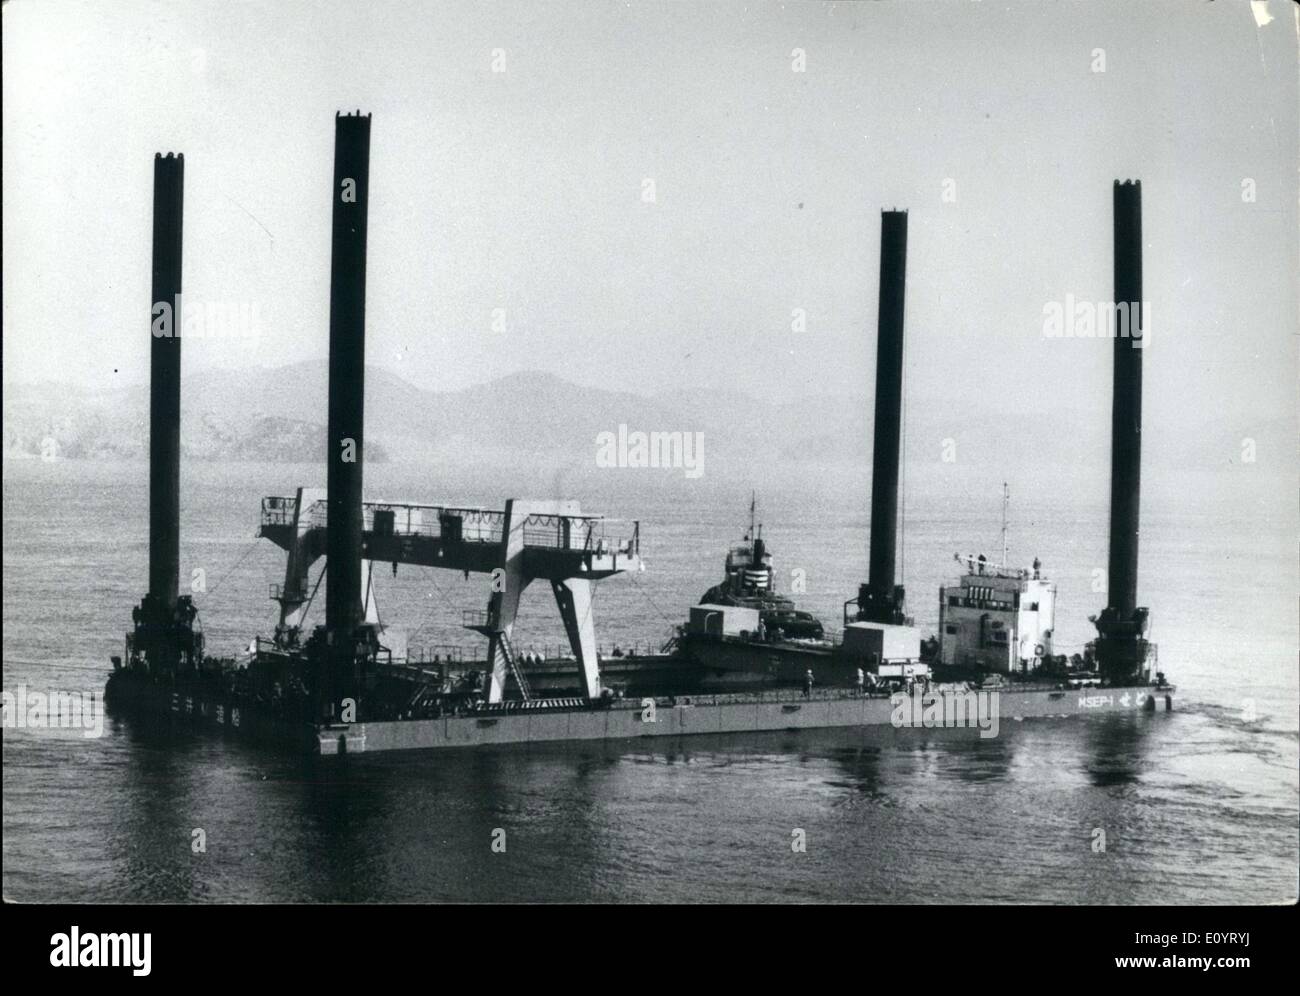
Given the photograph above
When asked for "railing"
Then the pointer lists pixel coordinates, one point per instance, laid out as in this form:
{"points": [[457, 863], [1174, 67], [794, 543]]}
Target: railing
{"points": [[638, 649], [454, 655], [438, 653], [475, 619], [277, 590], [263, 644], [588, 533], [408, 520], [987, 569], [475, 524], [427, 655], [279, 511], [853, 617], [282, 512], [472, 525], [556, 537], [785, 696], [530, 654]]}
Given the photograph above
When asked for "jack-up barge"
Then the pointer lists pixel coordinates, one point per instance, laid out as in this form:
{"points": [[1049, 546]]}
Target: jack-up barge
{"points": [[350, 685]]}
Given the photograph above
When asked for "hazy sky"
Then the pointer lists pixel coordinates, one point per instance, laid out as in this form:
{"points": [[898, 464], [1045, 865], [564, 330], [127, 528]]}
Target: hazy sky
{"points": [[523, 189]]}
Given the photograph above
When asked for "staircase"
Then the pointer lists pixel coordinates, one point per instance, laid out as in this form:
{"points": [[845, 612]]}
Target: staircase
{"points": [[506, 655], [483, 622]]}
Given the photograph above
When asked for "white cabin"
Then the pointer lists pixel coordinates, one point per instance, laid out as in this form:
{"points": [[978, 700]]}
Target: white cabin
{"points": [[997, 619]]}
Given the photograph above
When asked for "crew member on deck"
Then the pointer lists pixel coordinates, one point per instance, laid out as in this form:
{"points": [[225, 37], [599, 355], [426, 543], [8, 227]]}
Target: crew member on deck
{"points": [[862, 678], [807, 683]]}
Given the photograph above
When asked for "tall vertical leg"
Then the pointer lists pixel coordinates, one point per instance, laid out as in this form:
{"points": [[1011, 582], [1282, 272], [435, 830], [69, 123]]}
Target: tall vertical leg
{"points": [[345, 422], [165, 382], [573, 595]]}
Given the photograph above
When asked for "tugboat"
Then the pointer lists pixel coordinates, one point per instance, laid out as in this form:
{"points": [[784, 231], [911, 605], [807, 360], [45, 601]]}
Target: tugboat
{"points": [[743, 634], [750, 584]]}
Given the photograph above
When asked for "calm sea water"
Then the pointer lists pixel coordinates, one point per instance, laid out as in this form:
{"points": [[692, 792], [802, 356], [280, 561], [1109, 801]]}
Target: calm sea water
{"points": [[1199, 806]]}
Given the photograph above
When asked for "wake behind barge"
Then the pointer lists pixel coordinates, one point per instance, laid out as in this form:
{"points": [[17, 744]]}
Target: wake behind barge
{"points": [[350, 685]]}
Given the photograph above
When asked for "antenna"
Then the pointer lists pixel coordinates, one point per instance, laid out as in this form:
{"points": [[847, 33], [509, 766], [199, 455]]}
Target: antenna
{"points": [[1006, 499]]}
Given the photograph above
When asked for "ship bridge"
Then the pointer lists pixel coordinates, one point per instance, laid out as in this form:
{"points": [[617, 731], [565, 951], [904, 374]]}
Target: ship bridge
{"points": [[526, 541], [997, 618]]}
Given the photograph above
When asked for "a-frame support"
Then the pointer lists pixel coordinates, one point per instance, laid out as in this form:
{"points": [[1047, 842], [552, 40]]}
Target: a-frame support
{"points": [[573, 596]]}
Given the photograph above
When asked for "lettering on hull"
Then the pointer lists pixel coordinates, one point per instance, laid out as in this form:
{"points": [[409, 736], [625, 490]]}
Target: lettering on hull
{"points": [[1124, 701]]}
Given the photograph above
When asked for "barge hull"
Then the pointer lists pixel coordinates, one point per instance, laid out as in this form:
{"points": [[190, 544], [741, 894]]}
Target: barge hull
{"points": [[709, 718], [624, 721]]}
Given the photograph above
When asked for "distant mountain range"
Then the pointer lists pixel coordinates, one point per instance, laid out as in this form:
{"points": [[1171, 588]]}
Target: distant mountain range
{"points": [[279, 415]]}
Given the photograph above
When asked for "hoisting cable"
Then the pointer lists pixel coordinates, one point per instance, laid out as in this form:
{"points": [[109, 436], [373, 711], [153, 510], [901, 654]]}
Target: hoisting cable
{"points": [[244, 556], [307, 608]]}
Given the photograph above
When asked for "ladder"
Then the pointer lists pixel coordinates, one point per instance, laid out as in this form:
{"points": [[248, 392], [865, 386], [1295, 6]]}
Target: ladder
{"points": [[508, 656]]}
